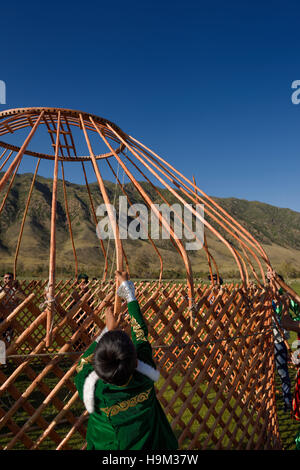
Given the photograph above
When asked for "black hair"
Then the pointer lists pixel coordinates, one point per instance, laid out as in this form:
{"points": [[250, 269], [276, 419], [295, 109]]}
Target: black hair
{"points": [[9, 274], [215, 278], [115, 357], [84, 277]]}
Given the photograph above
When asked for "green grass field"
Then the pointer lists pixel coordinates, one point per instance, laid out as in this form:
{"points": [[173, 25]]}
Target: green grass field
{"points": [[288, 427]]}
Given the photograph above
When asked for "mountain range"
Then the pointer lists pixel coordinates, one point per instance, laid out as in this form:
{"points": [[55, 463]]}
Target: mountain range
{"points": [[277, 229]]}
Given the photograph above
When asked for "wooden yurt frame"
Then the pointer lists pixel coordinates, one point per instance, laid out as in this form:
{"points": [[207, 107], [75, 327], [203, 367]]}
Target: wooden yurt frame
{"points": [[213, 343]]}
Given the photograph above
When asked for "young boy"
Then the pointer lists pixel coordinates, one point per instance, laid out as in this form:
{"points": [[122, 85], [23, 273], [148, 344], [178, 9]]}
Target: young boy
{"points": [[115, 380]]}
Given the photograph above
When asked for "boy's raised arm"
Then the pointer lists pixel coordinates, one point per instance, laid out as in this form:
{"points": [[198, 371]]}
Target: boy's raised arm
{"points": [[139, 329]]}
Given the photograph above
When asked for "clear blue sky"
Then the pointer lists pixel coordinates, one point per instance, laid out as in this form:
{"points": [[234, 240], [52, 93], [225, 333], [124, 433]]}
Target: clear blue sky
{"points": [[205, 84]]}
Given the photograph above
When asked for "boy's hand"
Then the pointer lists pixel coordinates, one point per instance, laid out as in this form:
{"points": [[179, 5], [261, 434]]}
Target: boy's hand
{"points": [[112, 322], [121, 276]]}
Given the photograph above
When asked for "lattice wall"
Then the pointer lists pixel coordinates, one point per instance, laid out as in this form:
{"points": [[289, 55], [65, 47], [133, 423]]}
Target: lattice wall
{"points": [[217, 376]]}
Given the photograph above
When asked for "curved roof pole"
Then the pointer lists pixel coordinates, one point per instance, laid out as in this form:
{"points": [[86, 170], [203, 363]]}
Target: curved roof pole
{"points": [[242, 244], [95, 221], [69, 220], [154, 156], [157, 192], [209, 259], [113, 222], [52, 259], [233, 234], [10, 185], [237, 255], [7, 158], [123, 251], [89, 193], [163, 199], [157, 213], [20, 153], [208, 254], [192, 198], [251, 266], [230, 233], [3, 153], [62, 131], [24, 218], [150, 239], [126, 260], [184, 203]]}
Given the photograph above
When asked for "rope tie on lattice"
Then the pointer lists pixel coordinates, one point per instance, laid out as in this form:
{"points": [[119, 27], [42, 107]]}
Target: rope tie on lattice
{"points": [[192, 305], [46, 303], [192, 308], [49, 300]]}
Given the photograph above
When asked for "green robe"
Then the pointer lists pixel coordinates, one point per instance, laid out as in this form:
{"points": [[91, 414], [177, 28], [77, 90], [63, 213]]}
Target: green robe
{"points": [[126, 417]]}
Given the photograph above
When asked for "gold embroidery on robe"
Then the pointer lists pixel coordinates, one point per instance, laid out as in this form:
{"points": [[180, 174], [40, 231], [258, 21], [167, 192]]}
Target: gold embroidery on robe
{"points": [[83, 361], [125, 405], [138, 331]]}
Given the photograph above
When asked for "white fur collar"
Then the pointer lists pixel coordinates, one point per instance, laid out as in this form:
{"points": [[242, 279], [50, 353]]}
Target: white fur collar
{"points": [[147, 370], [88, 391], [92, 378]]}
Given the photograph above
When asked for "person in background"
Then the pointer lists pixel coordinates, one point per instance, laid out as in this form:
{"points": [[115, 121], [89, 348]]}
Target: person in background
{"points": [[9, 288], [216, 286], [10, 297], [281, 354], [83, 285], [290, 320]]}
